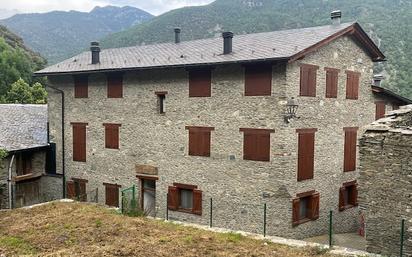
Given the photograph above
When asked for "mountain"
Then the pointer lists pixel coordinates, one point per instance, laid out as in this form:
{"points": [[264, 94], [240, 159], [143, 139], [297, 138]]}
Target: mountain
{"points": [[16, 61], [58, 35], [386, 21], [5, 13]]}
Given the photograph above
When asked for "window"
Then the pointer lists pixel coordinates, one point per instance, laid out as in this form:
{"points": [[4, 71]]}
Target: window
{"points": [[305, 207], [81, 86], [111, 135], [348, 195], [76, 189], [308, 79], [112, 194], [380, 107], [352, 84], [258, 80], [115, 85], [349, 163], [306, 152], [200, 83], [24, 163], [199, 140], [79, 141], [185, 198], [256, 144], [332, 76], [161, 97]]}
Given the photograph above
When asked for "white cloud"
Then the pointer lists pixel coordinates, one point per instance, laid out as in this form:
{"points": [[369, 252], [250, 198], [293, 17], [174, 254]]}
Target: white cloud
{"points": [[153, 6]]}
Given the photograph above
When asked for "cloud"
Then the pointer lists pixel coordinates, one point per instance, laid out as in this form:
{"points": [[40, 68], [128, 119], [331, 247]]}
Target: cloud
{"points": [[153, 6]]}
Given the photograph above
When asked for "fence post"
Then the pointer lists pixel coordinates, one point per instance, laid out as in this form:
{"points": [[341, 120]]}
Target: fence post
{"points": [[122, 202], [402, 236], [330, 228], [211, 213], [264, 220], [167, 206]]}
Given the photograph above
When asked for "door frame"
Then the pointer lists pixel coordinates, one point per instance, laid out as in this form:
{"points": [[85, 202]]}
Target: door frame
{"points": [[141, 178]]}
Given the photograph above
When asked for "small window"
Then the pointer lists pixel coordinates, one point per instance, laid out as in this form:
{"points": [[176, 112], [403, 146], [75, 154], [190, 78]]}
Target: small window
{"points": [[199, 140], [308, 79], [111, 135], [81, 87], [258, 80], [352, 84], [185, 198], [305, 207], [306, 153], [24, 163], [256, 144], [161, 99], [115, 85], [200, 82], [349, 162], [112, 194], [332, 76], [79, 141], [76, 189], [348, 195], [380, 107]]}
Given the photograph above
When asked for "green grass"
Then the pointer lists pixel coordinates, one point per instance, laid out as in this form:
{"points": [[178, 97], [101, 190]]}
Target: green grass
{"points": [[231, 237], [17, 245]]}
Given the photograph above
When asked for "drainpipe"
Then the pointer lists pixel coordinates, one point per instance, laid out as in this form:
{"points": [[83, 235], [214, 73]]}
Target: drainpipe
{"points": [[63, 149], [9, 183]]}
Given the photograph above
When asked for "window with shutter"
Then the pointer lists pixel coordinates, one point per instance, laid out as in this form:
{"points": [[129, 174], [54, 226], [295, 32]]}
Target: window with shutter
{"points": [[80, 192], [200, 82], [352, 84], [79, 141], [306, 153], [199, 140], [81, 87], [332, 76], [308, 79], [112, 194], [305, 207], [380, 107], [256, 144], [24, 163], [258, 80], [112, 135], [161, 99], [185, 198], [115, 85], [348, 195], [70, 190], [349, 163]]}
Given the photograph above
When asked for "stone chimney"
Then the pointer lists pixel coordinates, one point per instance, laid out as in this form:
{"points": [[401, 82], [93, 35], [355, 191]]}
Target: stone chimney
{"points": [[336, 17], [177, 35], [227, 42], [95, 50], [377, 79]]}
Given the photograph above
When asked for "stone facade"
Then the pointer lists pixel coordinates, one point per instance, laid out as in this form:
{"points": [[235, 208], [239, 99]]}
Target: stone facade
{"points": [[386, 182]]}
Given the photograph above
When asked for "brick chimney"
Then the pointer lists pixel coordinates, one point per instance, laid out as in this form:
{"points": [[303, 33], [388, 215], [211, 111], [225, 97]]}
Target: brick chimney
{"points": [[227, 42], [377, 79], [177, 35], [95, 50]]}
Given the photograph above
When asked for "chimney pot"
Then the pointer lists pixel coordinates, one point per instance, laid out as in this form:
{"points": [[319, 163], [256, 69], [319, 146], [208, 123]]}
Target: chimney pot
{"points": [[336, 17], [177, 35], [227, 42], [377, 79], [95, 50]]}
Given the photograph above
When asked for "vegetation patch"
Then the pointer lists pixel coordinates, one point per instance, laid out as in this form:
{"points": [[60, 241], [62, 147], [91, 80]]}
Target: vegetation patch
{"points": [[16, 245]]}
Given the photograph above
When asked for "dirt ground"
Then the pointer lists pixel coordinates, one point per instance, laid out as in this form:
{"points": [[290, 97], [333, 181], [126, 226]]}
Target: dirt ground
{"points": [[349, 240], [78, 229]]}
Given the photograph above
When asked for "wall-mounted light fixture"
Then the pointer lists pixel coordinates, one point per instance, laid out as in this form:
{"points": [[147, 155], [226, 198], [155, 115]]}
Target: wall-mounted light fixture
{"points": [[291, 109]]}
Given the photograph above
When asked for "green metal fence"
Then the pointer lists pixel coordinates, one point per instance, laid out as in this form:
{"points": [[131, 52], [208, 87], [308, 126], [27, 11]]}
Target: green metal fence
{"points": [[129, 202]]}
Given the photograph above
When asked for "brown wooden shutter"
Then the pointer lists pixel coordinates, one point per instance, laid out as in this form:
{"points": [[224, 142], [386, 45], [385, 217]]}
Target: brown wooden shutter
{"points": [[81, 87], [342, 198], [308, 79], [258, 80], [193, 142], [380, 110], [115, 86], [349, 163], [197, 202], [306, 153], [173, 200], [79, 142], [199, 140], [332, 76], [263, 147], [205, 143], [111, 135], [249, 146], [314, 206], [70, 190], [83, 192], [200, 82], [295, 211], [352, 85], [112, 194], [354, 195]]}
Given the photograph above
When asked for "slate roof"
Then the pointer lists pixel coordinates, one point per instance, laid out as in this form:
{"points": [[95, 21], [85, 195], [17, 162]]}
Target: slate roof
{"points": [[389, 93], [23, 126], [276, 45], [396, 121]]}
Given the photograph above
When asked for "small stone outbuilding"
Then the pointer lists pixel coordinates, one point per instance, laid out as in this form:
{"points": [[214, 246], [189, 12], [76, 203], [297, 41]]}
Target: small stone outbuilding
{"points": [[385, 182]]}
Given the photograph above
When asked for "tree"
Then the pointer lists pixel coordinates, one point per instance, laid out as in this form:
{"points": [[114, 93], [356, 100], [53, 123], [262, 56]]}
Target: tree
{"points": [[39, 93], [22, 93]]}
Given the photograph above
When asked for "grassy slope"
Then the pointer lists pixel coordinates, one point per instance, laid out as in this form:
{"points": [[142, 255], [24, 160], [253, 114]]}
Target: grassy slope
{"points": [[75, 229]]}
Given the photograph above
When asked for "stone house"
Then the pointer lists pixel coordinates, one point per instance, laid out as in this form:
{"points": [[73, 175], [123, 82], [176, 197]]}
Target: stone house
{"points": [[385, 182], [214, 119], [28, 174]]}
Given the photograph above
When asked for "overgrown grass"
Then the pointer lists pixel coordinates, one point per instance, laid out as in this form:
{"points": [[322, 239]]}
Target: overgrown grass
{"points": [[231, 237], [17, 245]]}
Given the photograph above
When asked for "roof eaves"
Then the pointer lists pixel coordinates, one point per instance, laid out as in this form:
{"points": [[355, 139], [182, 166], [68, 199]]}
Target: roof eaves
{"points": [[388, 92]]}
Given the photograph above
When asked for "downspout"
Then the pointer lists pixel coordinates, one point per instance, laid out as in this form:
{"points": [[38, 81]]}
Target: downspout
{"points": [[9, 183], [63, 149]]}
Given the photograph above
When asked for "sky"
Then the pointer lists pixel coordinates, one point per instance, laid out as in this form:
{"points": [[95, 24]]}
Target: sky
{"points": [[155, 7]]}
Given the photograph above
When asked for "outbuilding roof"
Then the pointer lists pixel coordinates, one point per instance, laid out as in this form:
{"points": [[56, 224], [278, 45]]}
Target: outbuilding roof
{"points": [[288, 45], [23, 126]]}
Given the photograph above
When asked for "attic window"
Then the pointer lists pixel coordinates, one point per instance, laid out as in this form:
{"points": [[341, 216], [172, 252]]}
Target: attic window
{"points": [[161, 99]]}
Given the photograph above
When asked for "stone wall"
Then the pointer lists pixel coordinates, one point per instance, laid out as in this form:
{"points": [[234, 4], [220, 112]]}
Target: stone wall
{"points": [[239, 188], [386, 187], [4, 199]]}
